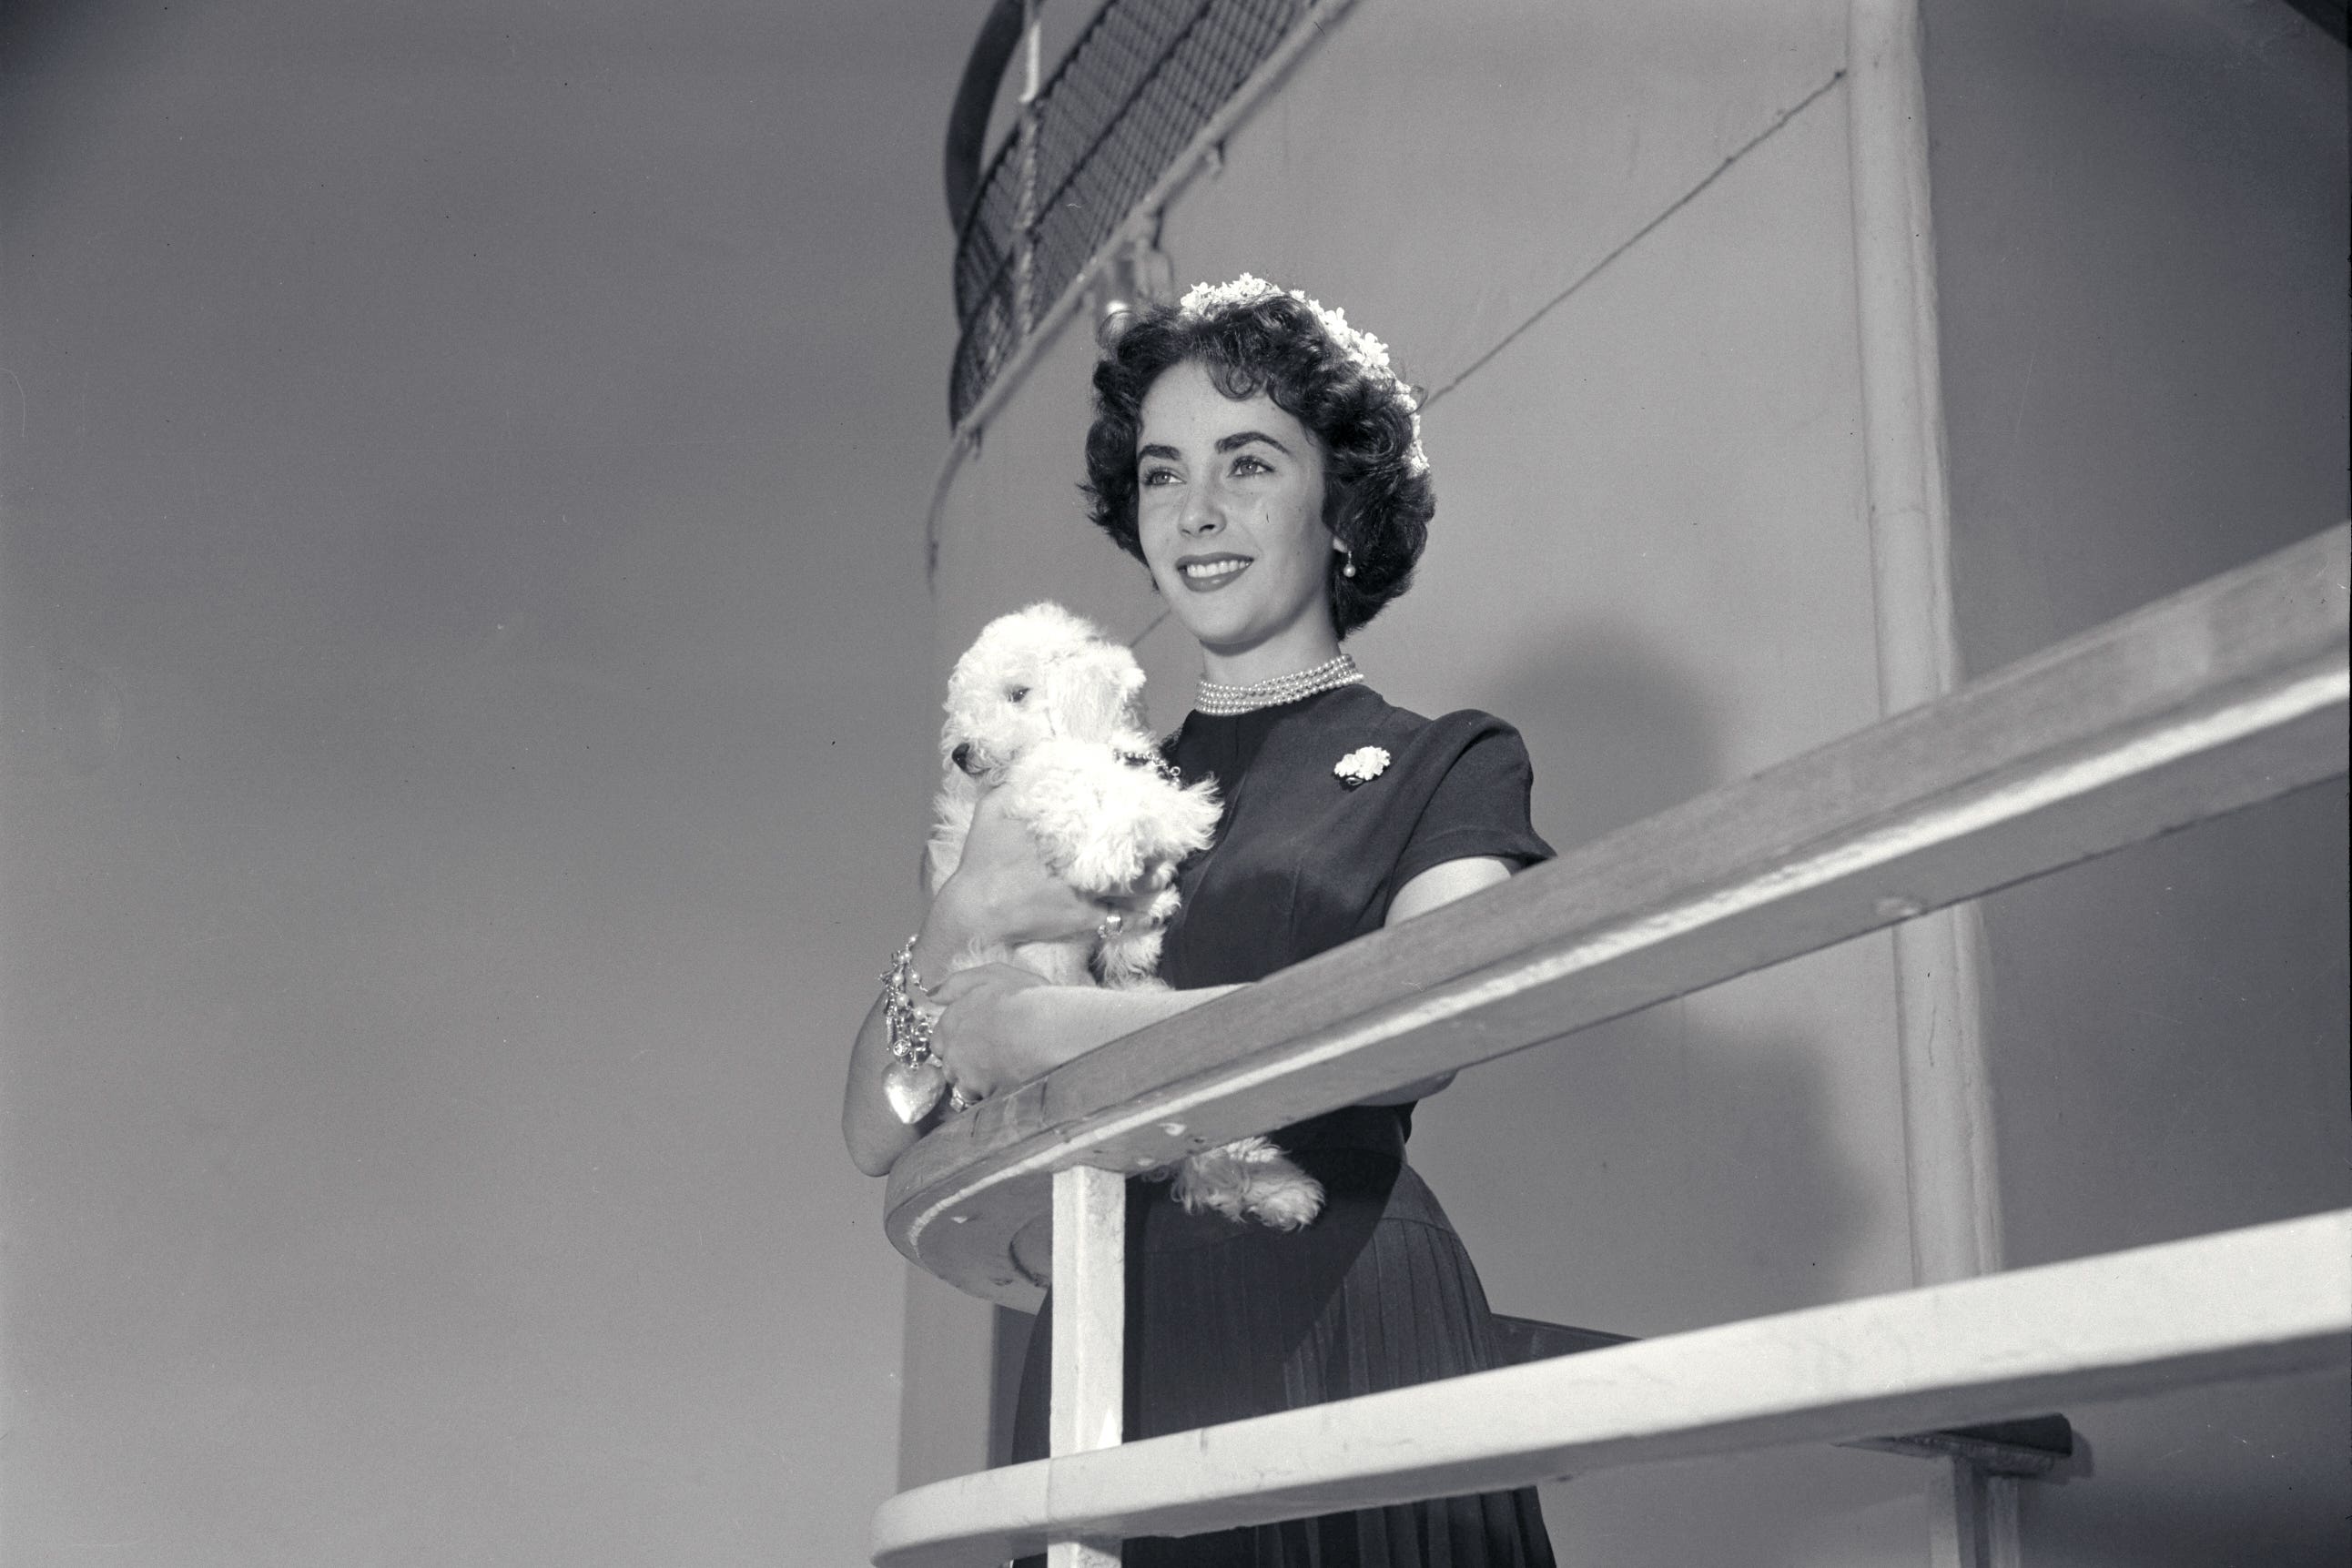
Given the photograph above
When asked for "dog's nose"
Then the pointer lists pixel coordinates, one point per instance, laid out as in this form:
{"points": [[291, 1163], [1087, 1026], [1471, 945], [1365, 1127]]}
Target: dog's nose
{"points": [[961, 757]]}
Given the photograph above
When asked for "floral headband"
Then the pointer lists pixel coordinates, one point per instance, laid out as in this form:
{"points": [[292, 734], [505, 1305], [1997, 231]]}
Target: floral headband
{"points": [[1368, 353]]}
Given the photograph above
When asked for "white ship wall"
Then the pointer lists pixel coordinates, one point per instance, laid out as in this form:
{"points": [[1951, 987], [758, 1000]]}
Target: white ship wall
{"points": [[1616, 245]]}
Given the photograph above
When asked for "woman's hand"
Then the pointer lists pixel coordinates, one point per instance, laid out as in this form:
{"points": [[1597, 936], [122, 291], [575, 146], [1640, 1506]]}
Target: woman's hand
{"points": [[1004, 1030], [988, 1036], [1001, 1027], [1003, 892]]}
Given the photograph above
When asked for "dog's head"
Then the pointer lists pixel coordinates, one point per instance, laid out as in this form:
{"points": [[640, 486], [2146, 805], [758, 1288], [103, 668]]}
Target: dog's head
{"points": [[1036, 674]]}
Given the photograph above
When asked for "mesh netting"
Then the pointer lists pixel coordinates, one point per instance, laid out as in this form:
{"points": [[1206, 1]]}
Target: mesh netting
{"points": [[1142, 79]]}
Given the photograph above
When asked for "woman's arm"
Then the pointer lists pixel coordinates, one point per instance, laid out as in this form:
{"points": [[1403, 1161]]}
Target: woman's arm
{"points": [[1441, 884], [1004, 1026], [872, 1130], [1433, 889], [1001, 894]]}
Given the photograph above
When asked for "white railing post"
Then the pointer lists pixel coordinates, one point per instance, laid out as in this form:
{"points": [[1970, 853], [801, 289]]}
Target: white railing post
{"points": [[1955, 1195], [1089, 1330], [1953, 1184]]}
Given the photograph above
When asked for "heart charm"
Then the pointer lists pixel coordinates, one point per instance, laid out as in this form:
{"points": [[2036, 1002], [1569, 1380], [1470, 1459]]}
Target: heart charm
{"points": [[913, 1088]]}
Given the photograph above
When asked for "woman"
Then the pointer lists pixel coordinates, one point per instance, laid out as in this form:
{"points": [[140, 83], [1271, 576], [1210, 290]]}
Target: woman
{"points": [[1262, 460]]}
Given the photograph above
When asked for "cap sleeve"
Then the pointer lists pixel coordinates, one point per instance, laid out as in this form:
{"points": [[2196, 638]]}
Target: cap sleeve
{"points": [[1480, 805]]}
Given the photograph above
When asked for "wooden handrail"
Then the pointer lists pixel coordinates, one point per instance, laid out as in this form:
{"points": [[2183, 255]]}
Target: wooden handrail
{"points": [[2229, 693], [2266, 1300]]}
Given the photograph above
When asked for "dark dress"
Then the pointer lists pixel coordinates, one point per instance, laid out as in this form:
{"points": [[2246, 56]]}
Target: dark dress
{"points": [[1228, 1320]]}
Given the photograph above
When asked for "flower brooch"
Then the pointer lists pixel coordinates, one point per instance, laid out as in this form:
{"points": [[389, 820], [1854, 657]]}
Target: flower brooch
{"points": [[1361, 766]]}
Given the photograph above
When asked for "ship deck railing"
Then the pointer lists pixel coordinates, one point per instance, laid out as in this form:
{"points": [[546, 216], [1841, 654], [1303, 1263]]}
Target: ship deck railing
{"points": [[2231, 693]]}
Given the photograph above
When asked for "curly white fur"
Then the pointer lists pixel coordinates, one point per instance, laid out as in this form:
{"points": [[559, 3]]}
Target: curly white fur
{"points": [[1047, 708]]}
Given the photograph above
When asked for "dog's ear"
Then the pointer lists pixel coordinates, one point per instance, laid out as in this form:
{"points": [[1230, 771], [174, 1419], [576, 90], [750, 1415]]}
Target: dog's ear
{"points": [[1095, 692]]}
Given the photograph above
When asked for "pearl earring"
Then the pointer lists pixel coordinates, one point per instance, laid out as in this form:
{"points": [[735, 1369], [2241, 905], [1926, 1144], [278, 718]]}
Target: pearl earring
{"points": [[1350, 568]]}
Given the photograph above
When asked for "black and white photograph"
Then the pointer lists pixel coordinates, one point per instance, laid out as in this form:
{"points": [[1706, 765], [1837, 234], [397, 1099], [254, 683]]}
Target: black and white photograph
{"points": [[1175, 784]]}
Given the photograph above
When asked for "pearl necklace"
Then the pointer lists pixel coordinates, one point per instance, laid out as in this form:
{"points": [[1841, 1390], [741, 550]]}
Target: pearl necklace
{"points": [[1221, 700]]}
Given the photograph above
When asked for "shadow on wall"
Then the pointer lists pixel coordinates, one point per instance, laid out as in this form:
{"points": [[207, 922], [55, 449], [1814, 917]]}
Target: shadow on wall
{"points": [[1683, 1166], [1679, 1166], [1617, 730], [1664, 1171]]}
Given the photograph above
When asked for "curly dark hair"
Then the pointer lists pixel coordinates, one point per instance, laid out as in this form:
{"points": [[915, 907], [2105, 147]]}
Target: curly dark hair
{"points": [[1376, 500]]}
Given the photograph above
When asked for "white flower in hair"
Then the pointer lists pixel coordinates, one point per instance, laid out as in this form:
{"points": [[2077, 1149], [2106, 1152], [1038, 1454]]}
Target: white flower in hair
{"points": [[1205, 298], [1367, 351]]}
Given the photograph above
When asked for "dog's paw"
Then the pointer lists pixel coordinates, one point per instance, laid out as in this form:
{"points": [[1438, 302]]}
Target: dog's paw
{"points": [[1249, 1178], [1209, 1182], [1130, 962], [1288, 1202], [1275, 1191]]}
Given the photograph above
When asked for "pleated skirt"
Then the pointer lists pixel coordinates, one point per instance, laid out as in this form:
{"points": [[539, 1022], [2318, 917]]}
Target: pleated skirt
{"points": [[1227, 1321]]}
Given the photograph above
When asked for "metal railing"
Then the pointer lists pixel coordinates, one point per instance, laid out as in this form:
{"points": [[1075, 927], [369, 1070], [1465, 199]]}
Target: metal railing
{"points": [[1142, 79], [2229, 693]]}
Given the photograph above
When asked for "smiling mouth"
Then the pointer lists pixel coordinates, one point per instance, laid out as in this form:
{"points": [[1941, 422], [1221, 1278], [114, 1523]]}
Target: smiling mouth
{"points": [[1206, 573]]}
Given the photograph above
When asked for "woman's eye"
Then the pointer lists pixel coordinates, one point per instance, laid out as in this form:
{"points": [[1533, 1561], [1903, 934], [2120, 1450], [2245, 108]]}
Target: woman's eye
{"points": [[1158, 476], [1247, 464]]}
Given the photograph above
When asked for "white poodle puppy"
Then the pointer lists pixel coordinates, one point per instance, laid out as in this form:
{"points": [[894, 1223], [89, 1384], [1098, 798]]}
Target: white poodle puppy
{"points": [[1046, 708], [1043, 704]]}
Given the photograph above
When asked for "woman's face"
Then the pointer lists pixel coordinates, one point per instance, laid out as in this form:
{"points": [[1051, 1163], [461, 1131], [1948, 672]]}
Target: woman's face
{"points": [[1229, 505]]}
